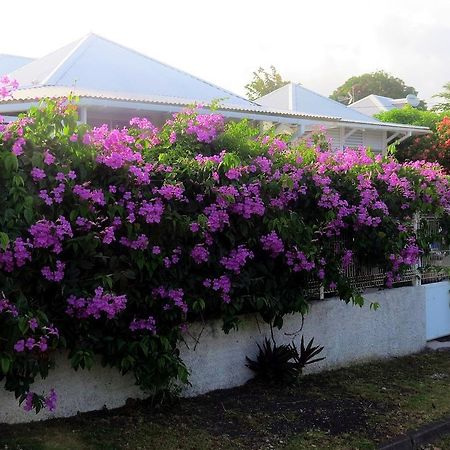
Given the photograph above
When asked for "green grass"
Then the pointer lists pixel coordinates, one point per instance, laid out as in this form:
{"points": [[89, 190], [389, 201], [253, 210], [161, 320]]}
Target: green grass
{"points": [[346, 409]]}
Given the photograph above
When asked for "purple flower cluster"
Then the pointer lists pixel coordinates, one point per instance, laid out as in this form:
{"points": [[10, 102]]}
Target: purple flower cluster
{"points": [[31, 343], [200, 254], [272, 243], [173, 259], [222, 285], [175, 295], [7, 307], [148, 324], [37, 174], [110, 304], [140, 243], [205, 127], [50, 401], [237, 259], [96, 196], [48, 234], [54, 275], [152, 211], [298, 261], [170, 191]]}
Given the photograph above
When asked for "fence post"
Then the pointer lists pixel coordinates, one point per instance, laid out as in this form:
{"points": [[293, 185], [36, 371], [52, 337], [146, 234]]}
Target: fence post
{"points": [[321, 292], [416, 281]]}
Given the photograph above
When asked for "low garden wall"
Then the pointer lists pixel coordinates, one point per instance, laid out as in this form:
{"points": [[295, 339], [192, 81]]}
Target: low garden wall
{"points": [[348, 333], [438, 309]]}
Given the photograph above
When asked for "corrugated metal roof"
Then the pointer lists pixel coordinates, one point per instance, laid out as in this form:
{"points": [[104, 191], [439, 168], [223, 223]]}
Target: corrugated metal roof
{"points": [[8, 63], [97, 64], [37, 93], [297, 98]]}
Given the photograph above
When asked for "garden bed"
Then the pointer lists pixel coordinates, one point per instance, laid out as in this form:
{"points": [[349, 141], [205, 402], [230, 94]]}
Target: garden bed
{"points": [[354, 408]]}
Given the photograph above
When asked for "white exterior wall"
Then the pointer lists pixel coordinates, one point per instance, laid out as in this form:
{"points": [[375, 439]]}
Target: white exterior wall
{"points": [[437, 309], [335, 135], [355, 139], [374, 139], [348, 333]]}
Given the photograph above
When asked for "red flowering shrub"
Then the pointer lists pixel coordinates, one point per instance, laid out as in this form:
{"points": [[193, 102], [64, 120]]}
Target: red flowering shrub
{"points": [[433, 147], [112, 241]]}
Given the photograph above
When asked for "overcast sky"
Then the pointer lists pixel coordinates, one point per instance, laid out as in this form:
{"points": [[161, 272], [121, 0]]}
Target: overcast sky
{"points": [[317, 43]]}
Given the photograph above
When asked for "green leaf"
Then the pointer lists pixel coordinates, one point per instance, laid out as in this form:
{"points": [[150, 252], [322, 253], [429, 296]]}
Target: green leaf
{"points": [[5, 364], [11, 162], [4, 240]]}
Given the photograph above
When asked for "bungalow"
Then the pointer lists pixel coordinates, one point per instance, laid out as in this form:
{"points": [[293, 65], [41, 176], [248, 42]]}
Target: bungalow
{"points": [[374, 104], [115, 83]]}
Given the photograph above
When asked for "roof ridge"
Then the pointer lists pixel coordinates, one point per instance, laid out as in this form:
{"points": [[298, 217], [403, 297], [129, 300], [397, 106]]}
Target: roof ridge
{"points": [[331, 100], [171, 67], [60, 65]]}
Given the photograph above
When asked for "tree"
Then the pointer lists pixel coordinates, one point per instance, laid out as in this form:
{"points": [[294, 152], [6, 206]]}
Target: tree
{"points": [[412, 116], [264, 82], [378, 83], [445, 94]]}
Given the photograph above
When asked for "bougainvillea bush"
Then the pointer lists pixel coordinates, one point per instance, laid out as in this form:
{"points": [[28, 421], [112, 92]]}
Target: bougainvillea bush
{"points": [[113, 241]]}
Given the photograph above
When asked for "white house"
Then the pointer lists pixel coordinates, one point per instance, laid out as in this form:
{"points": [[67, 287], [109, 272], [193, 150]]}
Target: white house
{"points": [[374, 104], [115, 83], [354, 128]]}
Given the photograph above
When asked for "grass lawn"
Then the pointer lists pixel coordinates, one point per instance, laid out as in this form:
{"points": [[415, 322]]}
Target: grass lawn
{"points": [[353, 408]]}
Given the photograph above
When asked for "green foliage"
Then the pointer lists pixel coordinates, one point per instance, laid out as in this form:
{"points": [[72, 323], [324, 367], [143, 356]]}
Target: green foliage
{"points": [[412, 116], [445, 96], [378, 83], [268, 215], [264, 82]]}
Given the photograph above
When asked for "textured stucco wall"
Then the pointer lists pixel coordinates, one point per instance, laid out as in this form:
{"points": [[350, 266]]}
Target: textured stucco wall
{"points": [[83, 390], [349, 333]]}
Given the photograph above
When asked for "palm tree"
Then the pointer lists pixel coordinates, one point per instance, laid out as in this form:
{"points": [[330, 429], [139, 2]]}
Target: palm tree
{"points": [[445, 94]]}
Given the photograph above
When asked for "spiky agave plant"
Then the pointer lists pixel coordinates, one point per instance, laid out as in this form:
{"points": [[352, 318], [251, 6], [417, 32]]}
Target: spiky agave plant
{"points": [[306, 354], [283, 363], [273, 362]]}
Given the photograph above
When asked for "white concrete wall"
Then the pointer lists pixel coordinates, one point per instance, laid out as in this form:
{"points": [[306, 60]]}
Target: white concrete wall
{"points": [[349, 334], [437, 298], [80, 391]]}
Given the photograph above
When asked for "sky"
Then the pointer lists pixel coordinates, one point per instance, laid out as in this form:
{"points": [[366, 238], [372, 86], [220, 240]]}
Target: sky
{"points": [[317, 43]]}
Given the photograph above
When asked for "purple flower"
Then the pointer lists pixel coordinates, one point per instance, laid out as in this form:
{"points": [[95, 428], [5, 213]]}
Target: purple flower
{"points": [[148, 324], [57, 275], [272, 243], [199, 254], [49, 158], [33, 324], [19, 346], [51, 400], [28, 406], [236, 259], [109, 304], [151, 211], [37, 174]]}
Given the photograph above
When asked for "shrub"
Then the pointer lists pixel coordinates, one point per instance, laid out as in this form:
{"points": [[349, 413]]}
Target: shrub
{"points": [[112, 241], [433, 147], [283, 363]]}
